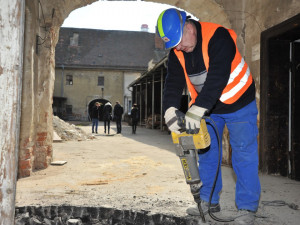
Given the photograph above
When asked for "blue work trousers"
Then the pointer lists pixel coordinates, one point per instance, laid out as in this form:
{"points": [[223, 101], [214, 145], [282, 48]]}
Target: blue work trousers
{"points": [[242, 127], [95, 125]]}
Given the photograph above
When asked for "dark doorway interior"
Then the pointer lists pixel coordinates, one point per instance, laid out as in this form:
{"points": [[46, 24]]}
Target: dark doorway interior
{"points": [[295, 113], [92, 103], [280, 99], [59, 107]]}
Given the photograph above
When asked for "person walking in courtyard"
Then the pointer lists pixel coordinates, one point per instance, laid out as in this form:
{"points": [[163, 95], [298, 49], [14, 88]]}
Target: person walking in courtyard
{"points": [[118, 112], [204, 56], [135, 116], [107, 116], [95, 117]]}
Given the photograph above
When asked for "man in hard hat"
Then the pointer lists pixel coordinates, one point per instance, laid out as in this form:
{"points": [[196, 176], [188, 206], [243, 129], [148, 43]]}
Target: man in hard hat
{"points": [[204, 56]]}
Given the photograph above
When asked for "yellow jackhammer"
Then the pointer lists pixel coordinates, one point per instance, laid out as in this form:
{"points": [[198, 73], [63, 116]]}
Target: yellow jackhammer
{"points": [[187, 146]]}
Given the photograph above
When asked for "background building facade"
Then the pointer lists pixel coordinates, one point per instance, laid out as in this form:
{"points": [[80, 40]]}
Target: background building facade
{"points": [[97, 65]]}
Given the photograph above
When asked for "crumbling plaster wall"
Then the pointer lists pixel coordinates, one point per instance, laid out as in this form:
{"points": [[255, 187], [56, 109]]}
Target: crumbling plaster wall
{"points": [[42, 18], [257, 16]]}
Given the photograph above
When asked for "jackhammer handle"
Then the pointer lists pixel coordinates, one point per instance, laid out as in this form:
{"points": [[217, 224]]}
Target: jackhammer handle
{"points": [[182, 123], [180, 120]]}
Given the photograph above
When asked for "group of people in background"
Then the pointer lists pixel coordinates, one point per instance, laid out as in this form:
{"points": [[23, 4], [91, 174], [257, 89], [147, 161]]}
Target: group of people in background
{"points": [[113, 114]]}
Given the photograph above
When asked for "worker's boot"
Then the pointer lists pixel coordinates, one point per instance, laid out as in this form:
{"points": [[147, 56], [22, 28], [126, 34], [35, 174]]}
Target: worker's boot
{"points": [[194, 211], [244, 217]]}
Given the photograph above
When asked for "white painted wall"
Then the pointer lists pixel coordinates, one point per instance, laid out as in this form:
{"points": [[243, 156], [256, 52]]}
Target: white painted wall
{"points": [[128, 79], [11, 64]]}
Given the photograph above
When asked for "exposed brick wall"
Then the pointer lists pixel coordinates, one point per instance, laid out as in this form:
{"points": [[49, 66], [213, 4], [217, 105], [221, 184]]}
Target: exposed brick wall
{"points": [[35, 154], [36, 127], [25, 167], [43, 151], [26, 158]]}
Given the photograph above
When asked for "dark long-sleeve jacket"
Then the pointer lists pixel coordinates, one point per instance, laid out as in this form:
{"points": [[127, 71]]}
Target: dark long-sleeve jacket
{"points": [[107, 112], [95, 112], [118, 112], [135, 114], [221, 51]]}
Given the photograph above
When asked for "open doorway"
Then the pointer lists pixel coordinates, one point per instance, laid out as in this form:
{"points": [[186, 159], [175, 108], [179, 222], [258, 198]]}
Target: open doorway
{"points": [[280, 99], [92, 103]]}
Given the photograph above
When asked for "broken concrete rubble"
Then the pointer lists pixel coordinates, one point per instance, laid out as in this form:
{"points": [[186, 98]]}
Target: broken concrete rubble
{"points": [[69, 132], [70, 215]]}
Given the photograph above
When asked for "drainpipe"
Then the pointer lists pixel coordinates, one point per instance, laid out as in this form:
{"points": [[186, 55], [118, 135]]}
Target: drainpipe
{"points": [[153, 101], [140, 100], [161, 98], [62, 81], [146, 102]]}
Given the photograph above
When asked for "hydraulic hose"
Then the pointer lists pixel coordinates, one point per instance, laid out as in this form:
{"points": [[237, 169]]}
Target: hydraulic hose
{"points": [[216, 176]]}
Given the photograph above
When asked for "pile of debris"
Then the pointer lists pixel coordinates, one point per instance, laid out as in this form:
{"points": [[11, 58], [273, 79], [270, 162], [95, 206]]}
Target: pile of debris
{"points": [[69, 132]]}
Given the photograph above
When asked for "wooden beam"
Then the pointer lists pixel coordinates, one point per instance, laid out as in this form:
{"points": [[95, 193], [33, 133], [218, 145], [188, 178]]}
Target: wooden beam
{"points": [[140, 103], [153, 100], [146, 100], [161, 97]]}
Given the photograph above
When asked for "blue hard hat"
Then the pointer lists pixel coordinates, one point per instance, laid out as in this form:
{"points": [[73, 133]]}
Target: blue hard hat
{"points": [[170, 25]]}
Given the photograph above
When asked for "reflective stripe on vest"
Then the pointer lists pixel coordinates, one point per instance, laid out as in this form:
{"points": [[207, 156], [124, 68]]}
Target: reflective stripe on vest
{"points": [[240, 77]]}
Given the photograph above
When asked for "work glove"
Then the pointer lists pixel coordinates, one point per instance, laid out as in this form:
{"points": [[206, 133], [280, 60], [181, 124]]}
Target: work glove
{"points": [[192, 119], [174, 119]]}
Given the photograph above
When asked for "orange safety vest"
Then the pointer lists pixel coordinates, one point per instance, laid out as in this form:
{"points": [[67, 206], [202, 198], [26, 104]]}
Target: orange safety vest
{"points": [[240, 77]]}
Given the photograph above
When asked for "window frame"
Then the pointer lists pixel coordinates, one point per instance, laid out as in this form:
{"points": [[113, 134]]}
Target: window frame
{"points": [[99, 83], [68, 80]]}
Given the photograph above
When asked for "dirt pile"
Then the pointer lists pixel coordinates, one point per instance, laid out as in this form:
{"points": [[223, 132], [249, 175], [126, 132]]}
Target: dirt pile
{"points": [[69, 132]]}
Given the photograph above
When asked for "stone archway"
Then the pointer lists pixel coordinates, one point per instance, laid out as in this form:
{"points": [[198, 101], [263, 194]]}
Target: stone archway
{"points": [[205, 10], [42, 23], [39, 73], [43, 19], [92, 103]]}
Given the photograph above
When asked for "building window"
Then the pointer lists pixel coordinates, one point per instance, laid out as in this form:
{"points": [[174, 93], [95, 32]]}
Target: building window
{"points": [[74, 39], [69, 109], [69, 80], [100, 81]]}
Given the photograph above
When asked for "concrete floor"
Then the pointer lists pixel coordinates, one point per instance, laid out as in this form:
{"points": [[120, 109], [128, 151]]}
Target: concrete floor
{"points": [[139, 172]]}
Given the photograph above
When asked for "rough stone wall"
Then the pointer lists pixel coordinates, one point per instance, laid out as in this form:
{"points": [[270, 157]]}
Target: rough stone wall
{"points": [[267, 14], [255, 16], [66, 215], [42, 18], [205, 10]]}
